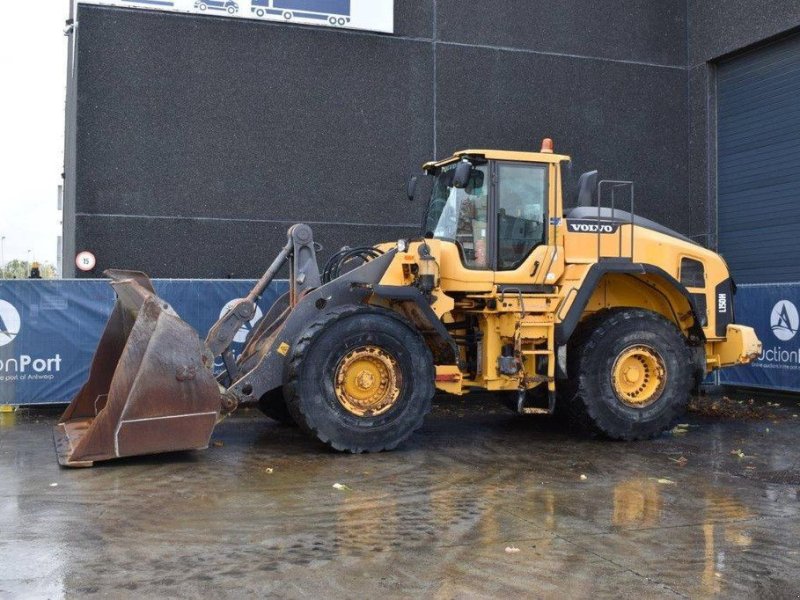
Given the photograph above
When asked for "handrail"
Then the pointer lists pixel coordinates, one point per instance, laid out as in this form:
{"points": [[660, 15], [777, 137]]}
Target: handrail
{"points": [[615, 185]]}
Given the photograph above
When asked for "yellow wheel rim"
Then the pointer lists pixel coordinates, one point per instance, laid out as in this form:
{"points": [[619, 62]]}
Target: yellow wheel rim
{"points": [[367, 381], [639, 376]]}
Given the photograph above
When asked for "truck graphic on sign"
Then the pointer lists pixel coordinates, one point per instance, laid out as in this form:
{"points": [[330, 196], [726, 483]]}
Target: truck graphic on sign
{"points": [[335, 12], [228, 6]]}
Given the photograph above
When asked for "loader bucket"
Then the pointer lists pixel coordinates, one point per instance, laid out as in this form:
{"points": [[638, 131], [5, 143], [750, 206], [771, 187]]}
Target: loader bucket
{"points": [[151, 388]]}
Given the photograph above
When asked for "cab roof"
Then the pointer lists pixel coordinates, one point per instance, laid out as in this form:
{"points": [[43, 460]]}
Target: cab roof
{"points": [[510, 155]]}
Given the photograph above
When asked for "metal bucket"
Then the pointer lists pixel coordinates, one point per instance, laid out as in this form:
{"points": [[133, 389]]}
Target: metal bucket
{"points": [[151, 388]]}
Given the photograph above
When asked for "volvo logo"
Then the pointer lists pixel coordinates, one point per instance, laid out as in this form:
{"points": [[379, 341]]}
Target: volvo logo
{"points": [[241, 335], [784, 320], [591, 227], [9, 323]]}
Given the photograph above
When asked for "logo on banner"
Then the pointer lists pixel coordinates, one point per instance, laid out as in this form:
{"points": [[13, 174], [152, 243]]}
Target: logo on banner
{"points": [[241, 335], [784, 320], [9, 323]]}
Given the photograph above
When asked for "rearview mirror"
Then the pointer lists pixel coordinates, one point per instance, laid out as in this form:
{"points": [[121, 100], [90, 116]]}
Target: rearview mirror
{"points": [[461, 174], [475, 181], [411, 188]]}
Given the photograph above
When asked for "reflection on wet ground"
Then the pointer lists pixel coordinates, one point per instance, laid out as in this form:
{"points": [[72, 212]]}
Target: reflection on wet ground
{"points": [[480, 503]]}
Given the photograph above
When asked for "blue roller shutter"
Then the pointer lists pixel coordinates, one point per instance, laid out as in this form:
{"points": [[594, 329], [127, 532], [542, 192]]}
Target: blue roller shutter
{"points": [[759, 163]]}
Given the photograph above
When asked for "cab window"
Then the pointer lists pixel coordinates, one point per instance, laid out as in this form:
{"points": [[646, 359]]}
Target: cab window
{"points": [[521, 211], [461, 215]]}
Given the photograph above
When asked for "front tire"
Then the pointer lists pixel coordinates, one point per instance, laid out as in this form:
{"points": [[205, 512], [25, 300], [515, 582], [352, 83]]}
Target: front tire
{"points": [[631, 373], [360, 380]]}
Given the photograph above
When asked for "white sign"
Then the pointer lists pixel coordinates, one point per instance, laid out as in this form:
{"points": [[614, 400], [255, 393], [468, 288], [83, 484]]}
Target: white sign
{"points": [[369, 15], [85, 261]]}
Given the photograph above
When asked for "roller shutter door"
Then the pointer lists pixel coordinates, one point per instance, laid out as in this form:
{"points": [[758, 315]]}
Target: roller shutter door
{"points": [[759, 163]]}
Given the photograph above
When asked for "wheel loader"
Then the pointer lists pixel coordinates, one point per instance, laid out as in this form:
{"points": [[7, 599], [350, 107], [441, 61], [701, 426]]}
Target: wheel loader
{"points": [[592, 313]]}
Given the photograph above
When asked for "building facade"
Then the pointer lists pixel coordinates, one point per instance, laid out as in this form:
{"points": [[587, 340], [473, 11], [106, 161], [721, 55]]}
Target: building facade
{"points": [[193, 142]]}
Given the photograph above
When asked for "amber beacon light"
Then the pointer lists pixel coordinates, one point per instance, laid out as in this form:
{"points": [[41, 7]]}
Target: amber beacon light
{"points": [[547, 145]]}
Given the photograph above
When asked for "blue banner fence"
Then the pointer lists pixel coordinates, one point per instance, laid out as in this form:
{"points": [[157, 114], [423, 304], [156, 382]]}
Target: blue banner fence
{"points": [[49, 330], [772, 309]]}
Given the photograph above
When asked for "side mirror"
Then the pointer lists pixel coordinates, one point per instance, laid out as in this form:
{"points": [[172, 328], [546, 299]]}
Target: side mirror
{"points": [[411, 188], [461, 174]]}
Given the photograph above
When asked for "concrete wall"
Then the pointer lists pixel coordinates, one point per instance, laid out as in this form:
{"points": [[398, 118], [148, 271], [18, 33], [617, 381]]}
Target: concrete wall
{"points": [[200, 139]]}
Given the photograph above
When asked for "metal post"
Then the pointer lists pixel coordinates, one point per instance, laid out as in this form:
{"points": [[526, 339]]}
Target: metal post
{"points": [[2, 256]]}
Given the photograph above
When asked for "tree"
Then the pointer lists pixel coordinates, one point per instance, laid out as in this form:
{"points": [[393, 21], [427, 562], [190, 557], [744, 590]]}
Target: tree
{"points": [[19, 269]]}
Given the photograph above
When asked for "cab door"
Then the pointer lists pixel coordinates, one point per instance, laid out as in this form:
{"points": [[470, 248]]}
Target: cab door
{"points": [[526, 252]]}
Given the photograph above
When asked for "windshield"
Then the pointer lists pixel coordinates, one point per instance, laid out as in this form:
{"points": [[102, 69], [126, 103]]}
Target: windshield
{"points": [[460, 215]]}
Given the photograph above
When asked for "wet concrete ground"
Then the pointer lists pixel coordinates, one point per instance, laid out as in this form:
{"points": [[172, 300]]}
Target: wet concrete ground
{"points": [[480, 503]]}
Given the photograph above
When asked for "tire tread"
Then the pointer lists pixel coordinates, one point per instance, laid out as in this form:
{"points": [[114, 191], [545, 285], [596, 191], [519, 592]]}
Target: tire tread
{"points": [[581, 409], [296, 366]]}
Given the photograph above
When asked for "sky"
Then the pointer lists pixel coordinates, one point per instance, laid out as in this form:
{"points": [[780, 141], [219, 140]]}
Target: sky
{"points": [[33, 63]]}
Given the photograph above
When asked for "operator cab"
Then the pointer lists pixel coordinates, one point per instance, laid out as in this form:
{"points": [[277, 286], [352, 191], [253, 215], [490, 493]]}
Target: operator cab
{"points": [[493, 205]]}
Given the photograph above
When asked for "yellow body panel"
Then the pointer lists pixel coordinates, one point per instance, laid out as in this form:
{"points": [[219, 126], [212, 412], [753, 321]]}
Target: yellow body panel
{"points": [[739, 347], [523, 307]]}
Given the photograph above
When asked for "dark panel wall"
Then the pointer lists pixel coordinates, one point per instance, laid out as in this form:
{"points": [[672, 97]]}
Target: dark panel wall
{"points": [[719, 27], [199, 139], [234, 122], [619, 118], [633, 30]]}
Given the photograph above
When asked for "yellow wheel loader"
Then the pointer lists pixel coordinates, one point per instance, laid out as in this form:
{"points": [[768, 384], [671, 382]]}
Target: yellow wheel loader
{"points": [[604, 317]]}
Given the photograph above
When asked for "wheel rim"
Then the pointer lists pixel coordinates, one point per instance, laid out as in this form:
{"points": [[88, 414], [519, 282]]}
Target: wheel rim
{"points": [[639, 376], [367, 381]]}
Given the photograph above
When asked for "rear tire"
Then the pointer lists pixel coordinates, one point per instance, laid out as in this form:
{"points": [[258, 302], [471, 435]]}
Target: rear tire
{"points": [[631, 373], [395, 372], [273, 405]]}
